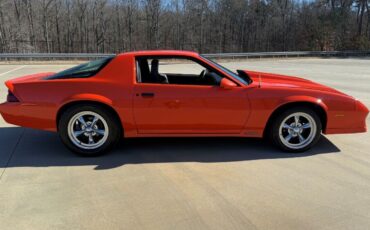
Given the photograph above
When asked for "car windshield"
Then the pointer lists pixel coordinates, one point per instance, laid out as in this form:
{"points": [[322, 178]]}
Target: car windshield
{"points": [[234, 75], [84, 70]]}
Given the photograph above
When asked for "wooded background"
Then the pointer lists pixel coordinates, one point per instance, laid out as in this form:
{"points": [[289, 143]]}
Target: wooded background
{"points": [[207, 26]]}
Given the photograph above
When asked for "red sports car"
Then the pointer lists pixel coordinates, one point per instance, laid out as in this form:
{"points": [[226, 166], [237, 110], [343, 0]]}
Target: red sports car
{"points": [[177, 94]]}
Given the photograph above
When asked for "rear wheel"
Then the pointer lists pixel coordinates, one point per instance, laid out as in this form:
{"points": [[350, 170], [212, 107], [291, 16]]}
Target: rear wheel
{"points": [[296, 129], [89, 130]]}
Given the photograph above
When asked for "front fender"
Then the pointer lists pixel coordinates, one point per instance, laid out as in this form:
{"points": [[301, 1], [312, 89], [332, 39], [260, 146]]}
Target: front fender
{"points": [[302, 99], [264, 110]]}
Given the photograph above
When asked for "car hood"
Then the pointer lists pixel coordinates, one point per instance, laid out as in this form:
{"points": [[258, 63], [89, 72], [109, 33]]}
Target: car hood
{"points": [[283, 81]]}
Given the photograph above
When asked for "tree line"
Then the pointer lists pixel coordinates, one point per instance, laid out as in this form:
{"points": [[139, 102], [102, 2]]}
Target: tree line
{"points": [[207, 26]]}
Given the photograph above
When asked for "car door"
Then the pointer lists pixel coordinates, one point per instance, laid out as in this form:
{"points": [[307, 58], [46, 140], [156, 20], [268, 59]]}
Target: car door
{"points": [[189, 109]]}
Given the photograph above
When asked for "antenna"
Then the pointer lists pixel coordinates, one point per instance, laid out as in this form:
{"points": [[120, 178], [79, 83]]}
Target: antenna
{"points": [[259, 81]]}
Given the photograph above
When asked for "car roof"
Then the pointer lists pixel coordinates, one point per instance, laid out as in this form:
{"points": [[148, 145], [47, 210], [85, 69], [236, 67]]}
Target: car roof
{"points": [[162, 53]]}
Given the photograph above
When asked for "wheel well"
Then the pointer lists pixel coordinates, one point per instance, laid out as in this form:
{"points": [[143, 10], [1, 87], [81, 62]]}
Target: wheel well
{"points": [[316, 108], [105, 106]]}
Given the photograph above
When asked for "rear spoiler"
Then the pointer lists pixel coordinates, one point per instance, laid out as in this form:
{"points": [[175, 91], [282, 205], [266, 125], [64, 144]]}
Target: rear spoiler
{"points": [[27, 78], [9, 85]]}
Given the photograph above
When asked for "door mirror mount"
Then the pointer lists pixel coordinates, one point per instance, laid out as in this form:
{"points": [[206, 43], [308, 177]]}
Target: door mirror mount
{"points": [[227, 84]]}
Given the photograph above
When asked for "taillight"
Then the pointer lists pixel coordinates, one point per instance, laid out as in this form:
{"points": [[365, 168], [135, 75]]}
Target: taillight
{"points": [[11, 97]]}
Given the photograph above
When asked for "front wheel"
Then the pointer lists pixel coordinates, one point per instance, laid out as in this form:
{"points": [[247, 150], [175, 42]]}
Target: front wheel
{"points": [[296, 130], [88, 130]]}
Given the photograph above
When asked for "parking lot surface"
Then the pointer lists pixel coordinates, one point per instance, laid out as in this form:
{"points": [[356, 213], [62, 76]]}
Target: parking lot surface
{"points": [[194, 183]]}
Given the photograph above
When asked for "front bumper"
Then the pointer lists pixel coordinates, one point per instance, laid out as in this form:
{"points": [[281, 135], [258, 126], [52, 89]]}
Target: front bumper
{"points": [[348, 121]]}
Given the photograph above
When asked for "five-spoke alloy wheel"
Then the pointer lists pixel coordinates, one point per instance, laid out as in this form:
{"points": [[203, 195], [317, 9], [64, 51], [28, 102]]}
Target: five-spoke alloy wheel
{"points": [[89, 130], [296, 129]]}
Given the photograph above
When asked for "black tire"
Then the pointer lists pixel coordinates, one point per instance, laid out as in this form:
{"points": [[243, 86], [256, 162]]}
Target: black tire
{"points": [[113, 136], [313, 136]]}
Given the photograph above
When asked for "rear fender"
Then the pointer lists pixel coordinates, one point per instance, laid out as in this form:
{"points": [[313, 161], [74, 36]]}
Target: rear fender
{"points": [[95, 98], [88, 97]]}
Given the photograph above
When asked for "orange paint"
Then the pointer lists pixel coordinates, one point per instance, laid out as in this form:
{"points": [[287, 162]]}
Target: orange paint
{"points": [[151, 109]]}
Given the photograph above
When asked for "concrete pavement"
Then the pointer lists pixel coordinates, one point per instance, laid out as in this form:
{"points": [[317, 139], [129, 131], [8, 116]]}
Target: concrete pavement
{"points": [[211, 183]]}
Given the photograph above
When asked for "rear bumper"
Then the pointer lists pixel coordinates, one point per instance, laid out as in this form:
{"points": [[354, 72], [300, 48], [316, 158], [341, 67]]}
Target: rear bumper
{"points": [[11, 112], [27, 115]]}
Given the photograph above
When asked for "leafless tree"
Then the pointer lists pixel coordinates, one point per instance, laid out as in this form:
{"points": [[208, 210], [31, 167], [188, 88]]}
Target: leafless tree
{"points": [[203, 25]]}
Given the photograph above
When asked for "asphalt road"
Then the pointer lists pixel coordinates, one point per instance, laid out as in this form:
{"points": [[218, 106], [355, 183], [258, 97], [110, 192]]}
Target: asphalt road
{"points": [[222, 183]]}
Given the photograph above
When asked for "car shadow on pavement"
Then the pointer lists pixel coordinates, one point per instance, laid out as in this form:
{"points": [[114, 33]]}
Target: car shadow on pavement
{"points": [[21, 147]]}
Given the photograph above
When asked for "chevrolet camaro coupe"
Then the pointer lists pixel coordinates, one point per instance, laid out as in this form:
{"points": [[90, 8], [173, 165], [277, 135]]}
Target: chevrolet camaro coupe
{"points": [[177, 94]]}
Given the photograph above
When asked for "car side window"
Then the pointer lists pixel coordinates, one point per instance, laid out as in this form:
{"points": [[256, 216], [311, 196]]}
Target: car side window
{"points": [[176, 71]]}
